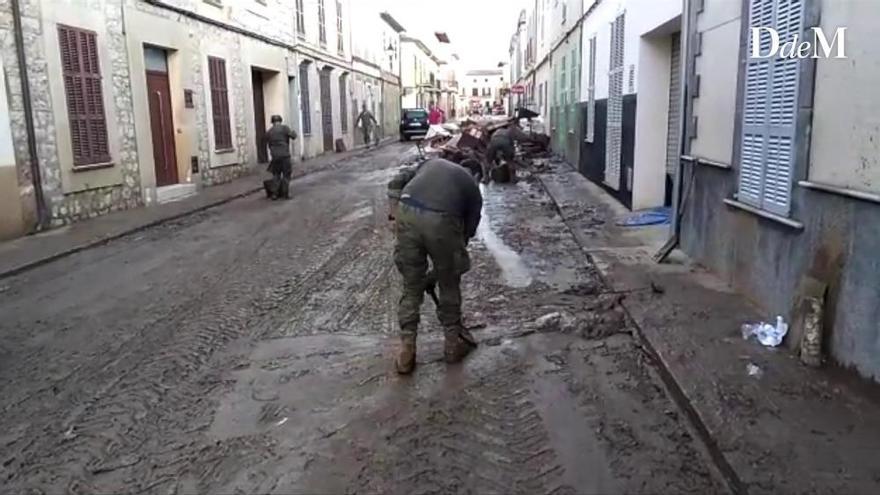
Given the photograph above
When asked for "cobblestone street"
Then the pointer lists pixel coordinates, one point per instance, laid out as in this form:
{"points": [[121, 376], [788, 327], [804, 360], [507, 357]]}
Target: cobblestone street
{"points": [[247, 349]]}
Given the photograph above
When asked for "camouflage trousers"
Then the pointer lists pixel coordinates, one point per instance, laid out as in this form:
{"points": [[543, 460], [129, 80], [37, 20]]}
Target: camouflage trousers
{"points": [[421, 235]]}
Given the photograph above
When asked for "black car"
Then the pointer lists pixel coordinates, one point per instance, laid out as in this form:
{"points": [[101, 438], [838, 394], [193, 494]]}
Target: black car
{"points": [[413, 122]]}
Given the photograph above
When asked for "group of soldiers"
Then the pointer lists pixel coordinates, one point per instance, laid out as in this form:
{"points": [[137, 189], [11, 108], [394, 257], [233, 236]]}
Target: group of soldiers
{"points": [[278, 138], [436, 209]]}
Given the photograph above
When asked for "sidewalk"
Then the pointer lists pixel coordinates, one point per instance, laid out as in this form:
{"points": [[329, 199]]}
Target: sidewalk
{"points": [[30, 251], [787, 430]]}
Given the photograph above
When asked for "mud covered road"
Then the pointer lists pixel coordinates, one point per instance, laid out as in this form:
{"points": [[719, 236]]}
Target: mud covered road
{"points": [[247, 349]]}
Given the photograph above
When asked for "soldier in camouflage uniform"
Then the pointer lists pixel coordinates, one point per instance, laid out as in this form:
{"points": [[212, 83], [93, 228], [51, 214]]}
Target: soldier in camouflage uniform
{"points": [[502, 146], [436, 209]]}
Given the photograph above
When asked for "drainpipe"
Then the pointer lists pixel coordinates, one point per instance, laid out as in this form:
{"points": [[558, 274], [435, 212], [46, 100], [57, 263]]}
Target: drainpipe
{"points": [[42, 211], [688, 29]]}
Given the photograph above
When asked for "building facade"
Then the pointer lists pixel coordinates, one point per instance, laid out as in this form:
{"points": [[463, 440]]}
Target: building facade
{"points": [[117, 104], [585, 66], [784, 159], [484, 89], [376, 65], [419, 73]]}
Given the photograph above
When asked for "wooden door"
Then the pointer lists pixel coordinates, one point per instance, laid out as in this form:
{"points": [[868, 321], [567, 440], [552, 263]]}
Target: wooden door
{"points": [[326, 111], [259, 116], [162, 127]]}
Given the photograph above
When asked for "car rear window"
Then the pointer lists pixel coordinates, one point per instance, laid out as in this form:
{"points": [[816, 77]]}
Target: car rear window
{"points": [[415, 114]]}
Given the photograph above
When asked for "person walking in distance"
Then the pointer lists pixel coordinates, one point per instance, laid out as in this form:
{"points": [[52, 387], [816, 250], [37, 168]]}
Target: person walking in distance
{"points": [[278, 139], [436, 208], [366, 121], [435, 115]]}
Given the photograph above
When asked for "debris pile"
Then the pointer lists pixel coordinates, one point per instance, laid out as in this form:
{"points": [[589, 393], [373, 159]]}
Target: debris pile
{"points": [[468, 141]]}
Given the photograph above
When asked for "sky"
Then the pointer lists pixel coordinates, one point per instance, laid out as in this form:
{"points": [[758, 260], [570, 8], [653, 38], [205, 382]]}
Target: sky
{"points": [[479, 30]]}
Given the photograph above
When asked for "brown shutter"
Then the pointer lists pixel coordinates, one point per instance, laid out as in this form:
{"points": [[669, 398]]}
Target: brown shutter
{"points": [[85, 96], [220, 103]]}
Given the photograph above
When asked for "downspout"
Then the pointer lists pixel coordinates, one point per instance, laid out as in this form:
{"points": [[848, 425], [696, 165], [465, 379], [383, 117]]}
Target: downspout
{"points": [[34, 160]]}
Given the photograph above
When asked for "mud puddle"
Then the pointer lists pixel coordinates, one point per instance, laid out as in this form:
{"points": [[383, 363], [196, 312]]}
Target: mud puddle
{"points": [[513, 269]]}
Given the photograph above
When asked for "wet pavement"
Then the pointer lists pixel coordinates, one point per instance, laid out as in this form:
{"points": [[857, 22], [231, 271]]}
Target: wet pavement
{"points": [[247, 349]]}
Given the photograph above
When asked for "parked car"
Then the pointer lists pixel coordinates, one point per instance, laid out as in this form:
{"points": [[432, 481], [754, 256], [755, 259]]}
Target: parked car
{"points": [[413, 122]]}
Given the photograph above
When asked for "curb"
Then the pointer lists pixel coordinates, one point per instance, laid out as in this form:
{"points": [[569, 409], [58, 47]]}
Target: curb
{"points": [[676, 392], [118, 235]]}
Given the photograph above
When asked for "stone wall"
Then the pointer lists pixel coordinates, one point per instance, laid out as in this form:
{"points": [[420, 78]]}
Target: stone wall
{"points": [[75, 195], [16, 109], [68, 207]]}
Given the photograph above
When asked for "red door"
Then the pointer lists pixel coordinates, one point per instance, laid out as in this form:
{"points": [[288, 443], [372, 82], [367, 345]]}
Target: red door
{"points": [[162, 127]]}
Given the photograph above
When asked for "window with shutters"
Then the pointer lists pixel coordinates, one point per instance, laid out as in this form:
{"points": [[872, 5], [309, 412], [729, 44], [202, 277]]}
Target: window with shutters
{"points": [[304, 99], [339, 38], [475, 92], [614, 133], [322, 23], [85, 96], [769, 110], [343, 104], [562, 95], [300, 19], [220, 103], [591, 91], [573, 88]]}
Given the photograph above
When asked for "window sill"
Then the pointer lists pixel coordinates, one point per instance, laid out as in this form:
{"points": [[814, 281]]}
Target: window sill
{"points": [[794, 224], [705, 161], [92, 166], [224, 151], [841, 191]]}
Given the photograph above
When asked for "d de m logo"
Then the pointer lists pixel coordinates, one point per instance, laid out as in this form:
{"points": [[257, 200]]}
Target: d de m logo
{"points": [[818, 47]]}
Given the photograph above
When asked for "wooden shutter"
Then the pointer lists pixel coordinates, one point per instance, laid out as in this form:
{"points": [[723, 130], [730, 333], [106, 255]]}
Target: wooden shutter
{"points": [[614, 137], [220, 103], [770, 111], [343, 104], [673, 122], [305, 99], [340, 46], [591, 93], [84, 94], [300, 20], [322, 23]]}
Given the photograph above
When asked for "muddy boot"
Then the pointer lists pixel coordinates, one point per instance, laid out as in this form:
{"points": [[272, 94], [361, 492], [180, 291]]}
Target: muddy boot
{"points": [[406, 357], [459, 343]]}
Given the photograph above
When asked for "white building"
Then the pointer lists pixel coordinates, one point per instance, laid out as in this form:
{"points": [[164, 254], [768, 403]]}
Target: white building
{"points": [[375, 66], [784, 160], [419, 73], [593, 61], [484, 89], [186, 92]]}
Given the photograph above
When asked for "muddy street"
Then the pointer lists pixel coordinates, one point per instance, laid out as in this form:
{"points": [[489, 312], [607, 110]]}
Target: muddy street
{"points": [[248, 349]]}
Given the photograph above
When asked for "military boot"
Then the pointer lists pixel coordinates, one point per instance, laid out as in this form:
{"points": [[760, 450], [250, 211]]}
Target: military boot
{"points": [[406, 357], [459, 343]]}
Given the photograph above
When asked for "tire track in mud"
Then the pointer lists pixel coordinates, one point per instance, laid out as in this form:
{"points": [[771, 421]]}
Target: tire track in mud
{"points": [[487, 437], [117, 420], [162, 391]]}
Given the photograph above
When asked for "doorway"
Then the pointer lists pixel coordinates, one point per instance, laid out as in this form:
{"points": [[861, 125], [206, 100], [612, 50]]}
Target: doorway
{"points": [[326, 110], [161, 119], [259, 116]]}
